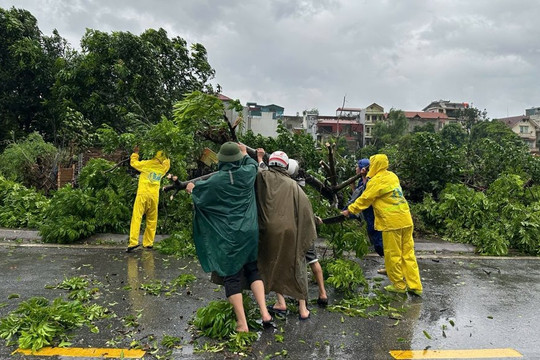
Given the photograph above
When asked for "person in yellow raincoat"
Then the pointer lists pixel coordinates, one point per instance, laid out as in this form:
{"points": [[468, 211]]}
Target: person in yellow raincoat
{"points": [[393, 218], [146, 202]]}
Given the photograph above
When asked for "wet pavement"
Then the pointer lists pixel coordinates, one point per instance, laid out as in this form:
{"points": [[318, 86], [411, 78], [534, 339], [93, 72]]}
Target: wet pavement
{"points": [[469, 302]]}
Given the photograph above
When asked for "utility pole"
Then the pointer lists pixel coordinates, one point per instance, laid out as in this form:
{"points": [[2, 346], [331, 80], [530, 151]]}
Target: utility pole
{"points": [[339, 116]]}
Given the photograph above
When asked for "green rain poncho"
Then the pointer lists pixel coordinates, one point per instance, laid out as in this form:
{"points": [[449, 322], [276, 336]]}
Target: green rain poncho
{"points": [[225, 226]]}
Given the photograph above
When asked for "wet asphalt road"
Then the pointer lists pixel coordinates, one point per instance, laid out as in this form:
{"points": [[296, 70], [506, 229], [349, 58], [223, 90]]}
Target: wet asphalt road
{"points": [[469, 302]]}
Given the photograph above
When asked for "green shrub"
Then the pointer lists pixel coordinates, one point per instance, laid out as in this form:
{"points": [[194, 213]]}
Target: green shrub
{"points": [[506, 216], [20, 207], [69, 217], [101, 204], [30, 162]]}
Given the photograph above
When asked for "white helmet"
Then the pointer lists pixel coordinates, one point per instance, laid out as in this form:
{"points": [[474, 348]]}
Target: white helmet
{"points": [[278, 158], [293, 168]]}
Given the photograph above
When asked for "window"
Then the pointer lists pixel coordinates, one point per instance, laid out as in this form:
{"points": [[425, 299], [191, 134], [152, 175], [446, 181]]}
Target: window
{"points": [[523, 129]]}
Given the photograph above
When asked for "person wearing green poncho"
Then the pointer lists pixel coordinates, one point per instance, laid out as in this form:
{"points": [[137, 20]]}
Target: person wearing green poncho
{"points": [[225, 228]]}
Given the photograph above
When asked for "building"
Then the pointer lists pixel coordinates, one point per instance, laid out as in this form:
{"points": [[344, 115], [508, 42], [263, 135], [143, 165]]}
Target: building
{"points": [[293, 123], [535, 111], [309, 122], [332, 126], [451, 109], [262, 119], [526, 128], [374, 113], [356, 135], [422, 118]]}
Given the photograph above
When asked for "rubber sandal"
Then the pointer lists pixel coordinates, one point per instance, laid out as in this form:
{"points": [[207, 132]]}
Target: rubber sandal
{"points": [[268, 324], [304, 318], [322, 302], [278, 312]]}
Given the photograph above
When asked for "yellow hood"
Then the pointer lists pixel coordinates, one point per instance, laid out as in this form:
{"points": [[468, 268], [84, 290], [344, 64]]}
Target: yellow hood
{"points": [[377, 163], [160, 155]]}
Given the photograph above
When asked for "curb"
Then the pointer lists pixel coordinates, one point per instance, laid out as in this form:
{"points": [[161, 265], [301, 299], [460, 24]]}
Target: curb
{"points": [[422, 246]]}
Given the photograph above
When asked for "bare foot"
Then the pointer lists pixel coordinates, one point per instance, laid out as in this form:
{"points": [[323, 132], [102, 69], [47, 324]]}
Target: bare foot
{"points": [[303, 315], [242, 329]]}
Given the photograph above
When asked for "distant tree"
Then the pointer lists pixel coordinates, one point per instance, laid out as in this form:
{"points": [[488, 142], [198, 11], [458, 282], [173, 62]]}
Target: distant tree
{"points": [[454, 134], [28, 66], [389, 131], [493, 149], [495, 130], [470, 116], [429, 127], [128, 81], [426, 162]]}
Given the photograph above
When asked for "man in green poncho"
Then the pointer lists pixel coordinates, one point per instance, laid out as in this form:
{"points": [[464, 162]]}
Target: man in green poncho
{"points": [[225, 227]]}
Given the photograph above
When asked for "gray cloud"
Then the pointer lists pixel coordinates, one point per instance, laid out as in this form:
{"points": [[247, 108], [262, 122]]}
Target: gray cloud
{"points": [[304, 54]]}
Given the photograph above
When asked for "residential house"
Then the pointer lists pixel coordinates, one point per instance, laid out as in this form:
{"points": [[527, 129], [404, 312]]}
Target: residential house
{"points": [[350, 129], [262, 119], [422, 118], [451, 109], [309, 122], [373, 114], [526, 128], [533, 112], [293, 123]]}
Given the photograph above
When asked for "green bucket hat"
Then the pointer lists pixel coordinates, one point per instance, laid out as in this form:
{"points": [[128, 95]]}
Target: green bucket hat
{"points": [[229, 152]]}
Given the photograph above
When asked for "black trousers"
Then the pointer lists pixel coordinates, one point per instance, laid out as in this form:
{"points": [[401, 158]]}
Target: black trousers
{"points": [[233, 283]]}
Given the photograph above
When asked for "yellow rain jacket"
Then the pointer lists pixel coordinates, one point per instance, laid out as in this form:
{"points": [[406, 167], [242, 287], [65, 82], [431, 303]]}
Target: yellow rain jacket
{"points": [[151, 172], [146, 202], [384, 193]]}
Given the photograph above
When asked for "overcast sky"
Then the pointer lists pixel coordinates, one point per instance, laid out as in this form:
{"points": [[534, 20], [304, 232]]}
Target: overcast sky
{"points": [[300, 55]]}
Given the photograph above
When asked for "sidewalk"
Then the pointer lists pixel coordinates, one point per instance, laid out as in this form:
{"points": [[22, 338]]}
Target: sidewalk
{"points": [[422, 246]]}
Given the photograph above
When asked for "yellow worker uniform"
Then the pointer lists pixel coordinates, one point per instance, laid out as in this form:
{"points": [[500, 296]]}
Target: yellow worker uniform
{"points": [[393, 218], [146, 202]]}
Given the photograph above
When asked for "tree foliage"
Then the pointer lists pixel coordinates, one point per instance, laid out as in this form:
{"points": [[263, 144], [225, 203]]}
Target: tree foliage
{"points": [[31, 162], [389, 131], [506, 216], [119, 79], [128, 81]]}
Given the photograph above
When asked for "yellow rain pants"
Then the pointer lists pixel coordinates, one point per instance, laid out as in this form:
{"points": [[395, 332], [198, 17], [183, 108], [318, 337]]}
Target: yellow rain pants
{"points": [[146, 202], [144, 205], [399, 259]]}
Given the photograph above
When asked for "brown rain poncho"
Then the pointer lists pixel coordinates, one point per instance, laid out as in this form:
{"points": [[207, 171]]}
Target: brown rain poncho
{"points": [[286, 232]]}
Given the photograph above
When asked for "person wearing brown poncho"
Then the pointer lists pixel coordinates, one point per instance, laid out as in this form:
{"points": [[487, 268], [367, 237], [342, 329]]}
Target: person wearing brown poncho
{"points": [[286, 232]]}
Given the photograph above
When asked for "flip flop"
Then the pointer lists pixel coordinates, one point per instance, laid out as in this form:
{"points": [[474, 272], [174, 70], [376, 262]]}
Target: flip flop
{"points": [[304, 318], [278, 312], [322, 302], [269, 323]]}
